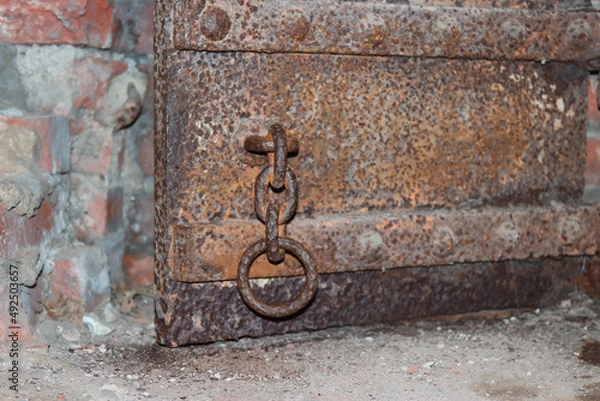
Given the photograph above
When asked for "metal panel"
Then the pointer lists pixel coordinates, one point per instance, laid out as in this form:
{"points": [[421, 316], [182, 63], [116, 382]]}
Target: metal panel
{"points": [[376, 134], [535, 32], [405, 162], [196, 313], [210, 252]]}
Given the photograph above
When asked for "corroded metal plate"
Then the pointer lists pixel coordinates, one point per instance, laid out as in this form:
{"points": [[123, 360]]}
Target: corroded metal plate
{"points": [[507, 30], [384, 242], [376, 134], [203, 312], [457, 165]]}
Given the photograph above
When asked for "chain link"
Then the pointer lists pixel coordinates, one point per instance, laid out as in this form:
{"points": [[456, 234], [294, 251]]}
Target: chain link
{"points": [[276, 179]]}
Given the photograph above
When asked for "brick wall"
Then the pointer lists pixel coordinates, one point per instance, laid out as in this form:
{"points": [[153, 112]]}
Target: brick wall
{"points": [[76, 171]]}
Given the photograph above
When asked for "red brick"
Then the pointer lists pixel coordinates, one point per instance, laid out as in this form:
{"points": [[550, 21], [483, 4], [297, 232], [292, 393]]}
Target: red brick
{"points": [[139, 270], [145, 29], [78, 22], [80, 273], [592, 168], [97, 211], [593, 111], [22, 231], [93, 77], [54, 137], [146, 153], [89, 211]]}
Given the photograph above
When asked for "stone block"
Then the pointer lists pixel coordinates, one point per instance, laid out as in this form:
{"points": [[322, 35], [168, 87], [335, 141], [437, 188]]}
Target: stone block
{"points": [[81, 273], [47, 76], [78, 22], [55, 149], [139, 270], [23, 183]]}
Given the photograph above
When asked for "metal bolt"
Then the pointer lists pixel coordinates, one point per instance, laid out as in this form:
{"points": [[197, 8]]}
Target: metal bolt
{"points": [[295, 23], [214, 23], [374, 29], [444, 242], [571, 230], [578, 35], [509, 235], [514, 33]]}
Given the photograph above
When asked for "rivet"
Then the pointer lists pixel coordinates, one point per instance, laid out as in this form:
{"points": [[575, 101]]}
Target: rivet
{"points": [[578, 34], [371, 245], [571, 230], [295, 23], [374, 29], [513, 32], [444, 242], [446, 28], [509, 235], [214, 23]]}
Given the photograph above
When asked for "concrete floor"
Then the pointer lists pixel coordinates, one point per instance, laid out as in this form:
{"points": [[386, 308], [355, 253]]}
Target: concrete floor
{"points": [[550, 354]]}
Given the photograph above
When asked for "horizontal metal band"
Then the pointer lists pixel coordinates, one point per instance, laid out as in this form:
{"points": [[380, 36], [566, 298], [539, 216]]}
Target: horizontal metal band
{"points": [[388, 30], [211, 252], [198, 313]]}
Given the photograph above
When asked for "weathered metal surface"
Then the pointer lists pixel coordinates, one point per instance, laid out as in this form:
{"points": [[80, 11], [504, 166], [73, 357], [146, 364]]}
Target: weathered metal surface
{"points": [[383, 242], [543, 33], [387, 133], [196, 313], [406, 144]]}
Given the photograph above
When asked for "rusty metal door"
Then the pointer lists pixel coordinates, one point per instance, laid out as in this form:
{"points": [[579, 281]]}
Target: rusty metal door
{"points": [[426, 156]]}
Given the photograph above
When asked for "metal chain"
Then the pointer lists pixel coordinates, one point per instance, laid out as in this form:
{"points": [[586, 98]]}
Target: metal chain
{"points": [[274, 179]]}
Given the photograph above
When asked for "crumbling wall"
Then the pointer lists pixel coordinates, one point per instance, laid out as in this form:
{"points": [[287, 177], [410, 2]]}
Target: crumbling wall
{"points": [[76, 172]]}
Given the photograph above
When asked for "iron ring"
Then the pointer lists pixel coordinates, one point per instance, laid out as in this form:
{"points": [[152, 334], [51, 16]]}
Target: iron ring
{"points": [[288, 308]]}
